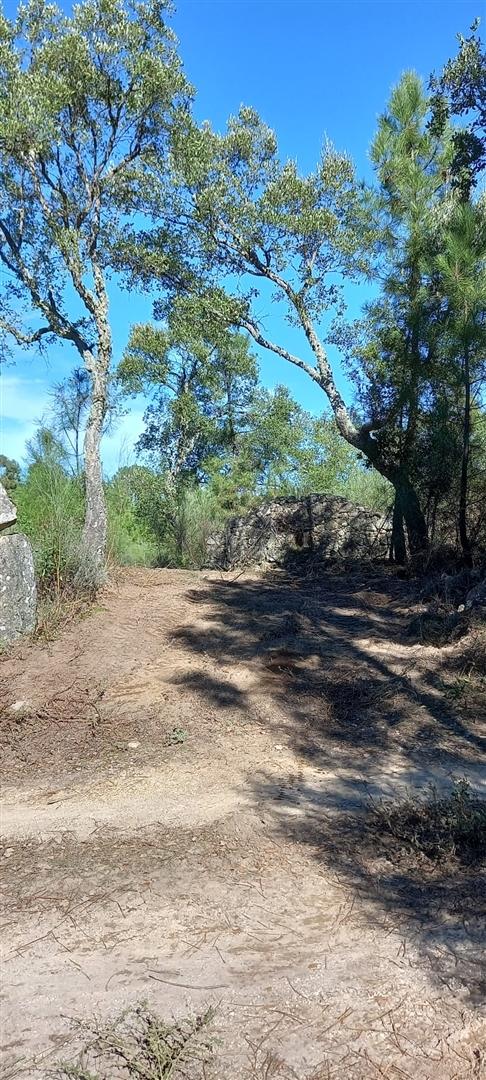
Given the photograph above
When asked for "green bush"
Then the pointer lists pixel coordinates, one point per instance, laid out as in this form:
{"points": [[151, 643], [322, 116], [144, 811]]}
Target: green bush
{"points": [[441, 828], [195, 516], [367, 488], [131, 541], [155, 523], [50, 508]]}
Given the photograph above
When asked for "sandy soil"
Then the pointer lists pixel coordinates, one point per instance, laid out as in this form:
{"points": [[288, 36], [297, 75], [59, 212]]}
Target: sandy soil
{"points": [[221, 857]]}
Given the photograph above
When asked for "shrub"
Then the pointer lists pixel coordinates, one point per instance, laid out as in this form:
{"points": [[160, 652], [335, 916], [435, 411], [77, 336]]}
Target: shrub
{"points": [[162, 523], [131, 541], [50, 508], [439, 828], [139, 1044], [196, 515]]}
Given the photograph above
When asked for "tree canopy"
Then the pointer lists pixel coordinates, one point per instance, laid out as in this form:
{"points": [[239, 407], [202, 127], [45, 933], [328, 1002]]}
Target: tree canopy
{"points": [[105, 171], [87, 103]]}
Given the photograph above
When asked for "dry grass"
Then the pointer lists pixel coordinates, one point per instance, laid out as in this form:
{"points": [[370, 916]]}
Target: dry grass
{"points": [[439, 625], [139, 1045], [443, 830], [471, 658], [467, 690], [447, 618], [59, 610]]}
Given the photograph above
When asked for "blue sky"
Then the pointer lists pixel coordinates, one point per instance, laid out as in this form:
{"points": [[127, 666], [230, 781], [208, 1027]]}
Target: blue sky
{"points": [[312, 68]]}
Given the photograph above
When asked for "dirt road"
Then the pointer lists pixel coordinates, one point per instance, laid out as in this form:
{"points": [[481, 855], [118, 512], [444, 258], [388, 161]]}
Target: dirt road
{"points": [[187, 772]]}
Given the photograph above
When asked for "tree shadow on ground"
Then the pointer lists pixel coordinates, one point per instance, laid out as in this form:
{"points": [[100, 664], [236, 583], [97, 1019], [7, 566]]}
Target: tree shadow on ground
{"points": [[336, 657], [438, 905], [369, 712]]}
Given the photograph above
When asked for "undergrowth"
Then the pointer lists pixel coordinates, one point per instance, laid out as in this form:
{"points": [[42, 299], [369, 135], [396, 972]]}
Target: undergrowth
{"points": [[56, 611], [139, 1045], [442, 829], [466, 690]]}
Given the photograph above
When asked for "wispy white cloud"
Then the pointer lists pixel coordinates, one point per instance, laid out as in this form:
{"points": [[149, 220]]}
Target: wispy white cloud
{"points": [[23, 403], [118, 447], [19, 394]]}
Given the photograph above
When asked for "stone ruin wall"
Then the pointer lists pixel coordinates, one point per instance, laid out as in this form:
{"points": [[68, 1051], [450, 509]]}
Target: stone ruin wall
{"points": [[328, 525]]}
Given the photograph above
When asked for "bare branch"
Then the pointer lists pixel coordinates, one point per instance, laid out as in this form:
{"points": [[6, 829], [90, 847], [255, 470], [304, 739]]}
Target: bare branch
{"points": [[58, 323], [20, 337], [284, 353]]}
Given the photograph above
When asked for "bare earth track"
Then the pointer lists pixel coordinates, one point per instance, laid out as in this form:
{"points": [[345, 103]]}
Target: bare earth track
{"points": [[221, 858]]}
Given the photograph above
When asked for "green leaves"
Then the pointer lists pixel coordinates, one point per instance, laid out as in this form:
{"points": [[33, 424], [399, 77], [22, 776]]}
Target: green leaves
{"points": [[460, 91], [257, 216], [200, 376], [87, 101], [145, 360]]}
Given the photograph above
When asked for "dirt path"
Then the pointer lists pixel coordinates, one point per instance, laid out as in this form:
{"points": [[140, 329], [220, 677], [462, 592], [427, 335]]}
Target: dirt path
{"points": [[217, 858]]}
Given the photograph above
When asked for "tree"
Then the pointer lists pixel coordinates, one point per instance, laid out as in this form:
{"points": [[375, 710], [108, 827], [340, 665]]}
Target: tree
{"points": [[462, 272], [265, 456], [285, 239], [394, 359], [330, 465], [201, 384], [211, 424], [423, 351], [460, 91], [69, 409], [86, 102], [9, 473], [46, 448]]}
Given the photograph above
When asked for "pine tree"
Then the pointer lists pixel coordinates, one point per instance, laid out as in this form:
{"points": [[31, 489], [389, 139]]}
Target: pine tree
{"points": [[461, 267]]}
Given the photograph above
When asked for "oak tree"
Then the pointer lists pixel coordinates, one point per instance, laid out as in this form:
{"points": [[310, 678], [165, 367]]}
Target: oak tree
{"points": [[86, 103]]}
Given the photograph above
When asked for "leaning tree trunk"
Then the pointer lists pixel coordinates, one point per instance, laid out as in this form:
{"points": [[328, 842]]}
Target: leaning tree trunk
{"points": [[407, 502], [360, 438], [406, 509]]}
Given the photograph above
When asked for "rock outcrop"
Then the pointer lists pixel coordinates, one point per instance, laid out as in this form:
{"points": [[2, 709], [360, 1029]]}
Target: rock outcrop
{"points": [[476, 597], [17, 578], [327, 525], [8, 512]]}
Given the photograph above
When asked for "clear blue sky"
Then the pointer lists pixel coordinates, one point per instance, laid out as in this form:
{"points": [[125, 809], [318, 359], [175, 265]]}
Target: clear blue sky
{"points": [[312, 68]]}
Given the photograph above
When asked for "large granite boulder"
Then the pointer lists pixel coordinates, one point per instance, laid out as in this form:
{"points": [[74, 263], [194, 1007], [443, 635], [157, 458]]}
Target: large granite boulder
{"points": [[476, 597], [8, 513], [17, 588], [17, 578], [328, 525]]}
